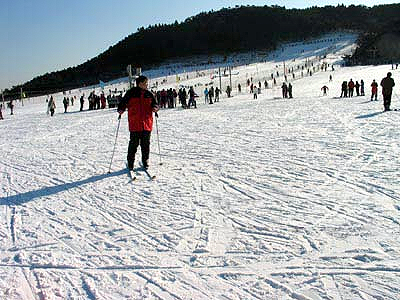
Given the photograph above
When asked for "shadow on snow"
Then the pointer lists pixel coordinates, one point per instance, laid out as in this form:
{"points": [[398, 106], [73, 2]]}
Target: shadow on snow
{"points": [[370, 115], [47, 191]]}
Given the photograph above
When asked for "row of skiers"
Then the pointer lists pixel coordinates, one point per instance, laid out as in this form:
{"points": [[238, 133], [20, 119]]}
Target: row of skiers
{"points": [[386, 83], [95, 102], [256, 90], [168, 98], [348, 88], [210, 94]]}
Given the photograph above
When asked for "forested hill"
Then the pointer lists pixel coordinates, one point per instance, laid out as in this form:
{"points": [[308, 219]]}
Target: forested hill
{"points": [[223, 32]]}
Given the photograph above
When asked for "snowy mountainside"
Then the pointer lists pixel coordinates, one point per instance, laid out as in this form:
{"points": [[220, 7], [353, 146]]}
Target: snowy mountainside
{"points": [[256, 199], [203, 70]]}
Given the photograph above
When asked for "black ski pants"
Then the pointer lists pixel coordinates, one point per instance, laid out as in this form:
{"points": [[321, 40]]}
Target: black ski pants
{"points": [[137, 138], [387, 99]]}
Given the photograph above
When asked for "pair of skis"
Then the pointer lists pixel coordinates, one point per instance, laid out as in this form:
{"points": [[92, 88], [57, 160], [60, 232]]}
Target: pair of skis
{"points": [[134, 174]]}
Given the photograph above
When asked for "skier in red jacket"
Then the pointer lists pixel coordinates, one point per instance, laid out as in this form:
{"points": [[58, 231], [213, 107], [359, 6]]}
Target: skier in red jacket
{"points": [[140, 104]]}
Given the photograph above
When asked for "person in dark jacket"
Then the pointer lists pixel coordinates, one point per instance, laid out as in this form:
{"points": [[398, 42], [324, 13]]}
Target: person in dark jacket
{"points": [[66, 103], [228, 91], [140, 104], [357, 86], [362, 92], [51, 106], [217, 92], [284, 88], [387, 85], [11, 106], [82, 100], [324, 89], [192, 96], [344, 89]]}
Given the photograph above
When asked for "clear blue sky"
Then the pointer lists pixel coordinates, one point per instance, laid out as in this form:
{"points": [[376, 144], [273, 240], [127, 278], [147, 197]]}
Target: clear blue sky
{"points": [[42, 36]]}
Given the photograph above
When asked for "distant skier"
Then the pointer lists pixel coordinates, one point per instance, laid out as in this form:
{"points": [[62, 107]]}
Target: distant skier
{"points": [[357, 88], [351, 87], [290, 88], [362, 92], [48, 107], [103, 101], [205, 96], [387, 85], [192, 96], [97, 101], [175, 95], [51, 106], [284, 88], [65, 102], [324, 89], [82, 100], [182, 97], [374, 90], [1, 112], [91, 100], [211, 95], [11, 106], [217, 92], [239, 88], [228, 91], [141, 104], [344, 89]]}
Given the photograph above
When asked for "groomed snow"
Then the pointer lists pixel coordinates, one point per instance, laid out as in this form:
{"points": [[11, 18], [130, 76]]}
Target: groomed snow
{"points": [[256, 199]]}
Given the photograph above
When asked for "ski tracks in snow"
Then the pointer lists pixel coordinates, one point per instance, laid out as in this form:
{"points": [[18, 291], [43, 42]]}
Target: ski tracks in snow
{"points": [[256, 199]]}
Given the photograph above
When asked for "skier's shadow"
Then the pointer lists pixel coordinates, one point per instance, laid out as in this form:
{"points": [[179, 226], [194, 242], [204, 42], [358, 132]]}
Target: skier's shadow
{"points": [[48, 191], [370, 115]]}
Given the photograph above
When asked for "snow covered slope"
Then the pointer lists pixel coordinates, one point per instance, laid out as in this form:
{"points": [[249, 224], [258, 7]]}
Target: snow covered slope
{"points": [[256, 199]]}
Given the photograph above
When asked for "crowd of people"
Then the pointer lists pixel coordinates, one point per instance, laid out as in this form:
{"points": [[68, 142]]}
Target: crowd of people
{"points": [[387, 84], [348, 88], [186, 97]]}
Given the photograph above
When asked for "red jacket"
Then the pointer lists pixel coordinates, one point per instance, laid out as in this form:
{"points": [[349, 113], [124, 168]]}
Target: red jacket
{"points": [[140, 104], [374, 86]]}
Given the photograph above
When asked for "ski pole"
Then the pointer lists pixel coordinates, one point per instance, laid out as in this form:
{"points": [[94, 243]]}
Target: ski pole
{"points": [[158, 139], [115, 143]]}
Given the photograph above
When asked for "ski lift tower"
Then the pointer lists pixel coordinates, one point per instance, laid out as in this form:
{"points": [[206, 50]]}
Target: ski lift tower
{"points": [[133, 73], [129, 71]]}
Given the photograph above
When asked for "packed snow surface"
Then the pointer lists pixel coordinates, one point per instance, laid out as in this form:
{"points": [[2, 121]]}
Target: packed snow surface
{"points": [[255, 199]]}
